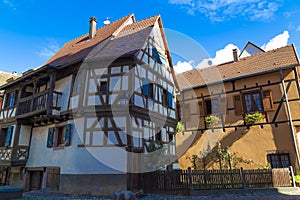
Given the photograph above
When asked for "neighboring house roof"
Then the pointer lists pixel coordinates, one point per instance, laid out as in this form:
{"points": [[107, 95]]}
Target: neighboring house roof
{"points": [[249, 66], [250, 49], [4, 76]]}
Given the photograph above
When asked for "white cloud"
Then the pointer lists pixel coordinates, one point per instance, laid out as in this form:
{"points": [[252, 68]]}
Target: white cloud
{"points": [[183, 66], [222, 56], [49, 49], [180, 1], [221, 10], [9, 4], [277, 42]]}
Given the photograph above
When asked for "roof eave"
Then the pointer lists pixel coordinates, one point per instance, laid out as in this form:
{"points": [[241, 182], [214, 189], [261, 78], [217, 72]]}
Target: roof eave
{"points": [[241, 77]]}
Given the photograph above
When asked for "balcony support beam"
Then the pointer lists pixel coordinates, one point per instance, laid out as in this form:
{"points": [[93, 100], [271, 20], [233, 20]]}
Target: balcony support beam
{"points": [[50, 97], [16, 141]]}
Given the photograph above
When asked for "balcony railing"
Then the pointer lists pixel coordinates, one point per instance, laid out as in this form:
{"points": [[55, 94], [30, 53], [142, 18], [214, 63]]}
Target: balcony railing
{"points": [[13, 157], [38, 103]]}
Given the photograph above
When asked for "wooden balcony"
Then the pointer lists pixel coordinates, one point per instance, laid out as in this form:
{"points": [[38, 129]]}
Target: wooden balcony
{"points": [[14, 156], [38, 104]]}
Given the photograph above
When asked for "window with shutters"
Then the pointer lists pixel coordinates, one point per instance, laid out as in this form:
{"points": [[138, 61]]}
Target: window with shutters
{"points": [[10, 99], [279, 160], [6, 136], [209, 107], [252, 102], [59, 136]]}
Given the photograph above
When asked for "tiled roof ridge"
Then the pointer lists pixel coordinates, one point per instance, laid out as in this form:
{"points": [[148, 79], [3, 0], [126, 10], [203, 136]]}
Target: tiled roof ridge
{"points": [[86, 34], [242, 59], [146, 19], [156, 17]]}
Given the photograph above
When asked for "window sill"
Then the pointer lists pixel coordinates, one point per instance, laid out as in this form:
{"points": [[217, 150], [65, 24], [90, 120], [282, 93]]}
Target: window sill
{"points": [[58, 148]]}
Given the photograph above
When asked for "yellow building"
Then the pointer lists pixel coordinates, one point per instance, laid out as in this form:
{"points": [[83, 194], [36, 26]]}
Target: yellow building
{"points": [[217, 105]]}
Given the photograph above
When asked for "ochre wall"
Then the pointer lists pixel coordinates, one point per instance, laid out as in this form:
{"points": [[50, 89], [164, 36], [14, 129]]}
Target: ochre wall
{"points": [[249, 143]]}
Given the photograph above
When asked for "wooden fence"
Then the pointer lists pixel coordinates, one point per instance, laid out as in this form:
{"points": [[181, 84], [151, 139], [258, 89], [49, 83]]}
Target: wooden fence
{"points": [[181, 182]]}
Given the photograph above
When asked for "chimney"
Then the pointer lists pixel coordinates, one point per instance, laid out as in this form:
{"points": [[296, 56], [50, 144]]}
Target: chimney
{"points": [[235, 55], [93, 22]]}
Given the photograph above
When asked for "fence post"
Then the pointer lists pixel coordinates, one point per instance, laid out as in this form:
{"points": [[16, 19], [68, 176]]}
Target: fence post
{"points": [[190, 179], [293, 176], [242, 174]]}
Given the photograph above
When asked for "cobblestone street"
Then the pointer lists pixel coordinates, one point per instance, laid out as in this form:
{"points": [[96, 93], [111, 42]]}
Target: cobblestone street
{"points": [[267, 194]]}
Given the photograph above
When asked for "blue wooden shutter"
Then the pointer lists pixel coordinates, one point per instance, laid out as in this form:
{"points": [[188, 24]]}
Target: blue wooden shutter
{"points": [[11, 99], [156, 55], [170, 100], [9, 136], [50, 137], [145, 87], [67, 135]]}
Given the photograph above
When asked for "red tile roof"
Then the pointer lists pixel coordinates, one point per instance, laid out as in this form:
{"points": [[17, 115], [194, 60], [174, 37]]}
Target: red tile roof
{"points": [[128, 41], [259, 63], [80, 47]]}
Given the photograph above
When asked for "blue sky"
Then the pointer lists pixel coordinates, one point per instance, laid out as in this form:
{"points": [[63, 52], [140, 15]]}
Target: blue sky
{"points": [[31, 30]]}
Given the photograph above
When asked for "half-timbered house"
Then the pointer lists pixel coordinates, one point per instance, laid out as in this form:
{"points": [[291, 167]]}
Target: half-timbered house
{"points": [[81, 122], [254, 82]]}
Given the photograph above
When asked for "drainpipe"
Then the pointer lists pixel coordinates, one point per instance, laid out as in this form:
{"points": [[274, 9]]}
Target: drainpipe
{"points": [[290, 117]]}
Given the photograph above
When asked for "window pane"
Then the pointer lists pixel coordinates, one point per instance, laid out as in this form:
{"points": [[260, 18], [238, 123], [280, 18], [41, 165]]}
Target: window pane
{"points": [[125, 83], [248, 102], [123, 136], [98, 137], [137, 139], [257, 102], [208, 107], [111, 138], [114, 83], [115, 70], [215, 106]]}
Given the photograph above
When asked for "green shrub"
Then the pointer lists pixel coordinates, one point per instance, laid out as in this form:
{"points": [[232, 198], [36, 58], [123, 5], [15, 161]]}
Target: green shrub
{"points": [[179, 127], [254, 118], [212, 120], [297, 178]]}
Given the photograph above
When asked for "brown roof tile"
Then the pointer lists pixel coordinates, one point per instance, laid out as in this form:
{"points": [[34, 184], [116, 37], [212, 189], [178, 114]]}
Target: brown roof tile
{"points": [[80, 47], [259, 63], [128, 41]]}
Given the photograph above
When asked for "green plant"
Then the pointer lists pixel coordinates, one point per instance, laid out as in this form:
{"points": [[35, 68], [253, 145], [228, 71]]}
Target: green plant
{"points": [[253, 118], [297, 178], [194, 159], [179, 127], [154, 146], [265, 166], [212, 120], [229, 160]]}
